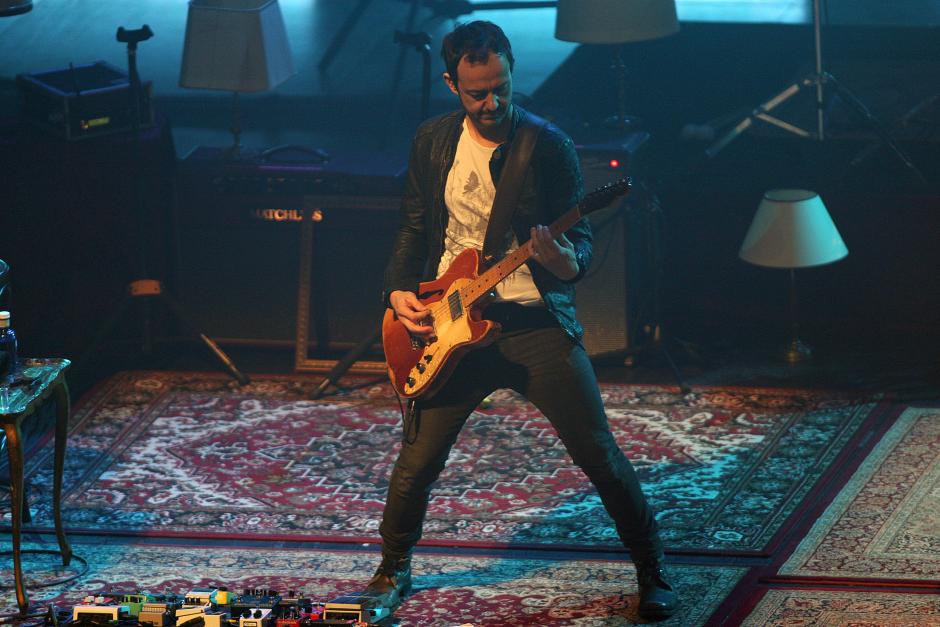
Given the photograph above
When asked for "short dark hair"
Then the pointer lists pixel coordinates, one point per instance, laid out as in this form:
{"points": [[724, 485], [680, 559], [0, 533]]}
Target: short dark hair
{"points": [[476, 41]]}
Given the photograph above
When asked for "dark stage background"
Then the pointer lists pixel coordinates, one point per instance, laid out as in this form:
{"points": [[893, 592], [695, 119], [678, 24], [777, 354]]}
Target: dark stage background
{"points": [[69, 218]]}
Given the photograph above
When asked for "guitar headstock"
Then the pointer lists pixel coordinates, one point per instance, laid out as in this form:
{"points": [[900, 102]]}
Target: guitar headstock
{"points": [[603, 196]]}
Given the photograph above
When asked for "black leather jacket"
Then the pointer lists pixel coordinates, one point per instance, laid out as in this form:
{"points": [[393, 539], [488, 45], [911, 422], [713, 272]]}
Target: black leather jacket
{"points": [[553, 185]]}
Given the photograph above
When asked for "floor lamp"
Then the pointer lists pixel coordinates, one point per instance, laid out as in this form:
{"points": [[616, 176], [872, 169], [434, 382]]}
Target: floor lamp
{"points": [[792, 229], [616, 22], [238, 46]]}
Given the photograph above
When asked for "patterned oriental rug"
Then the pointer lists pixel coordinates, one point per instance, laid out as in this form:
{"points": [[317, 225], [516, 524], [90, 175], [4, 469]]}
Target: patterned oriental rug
{"points": [[845, 609], [449, 590], [191, 454], [885, 523]]}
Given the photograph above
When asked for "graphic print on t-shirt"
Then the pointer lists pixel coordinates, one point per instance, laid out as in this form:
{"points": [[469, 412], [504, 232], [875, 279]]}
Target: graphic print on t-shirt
{"points": [[469, 194], [470, 212]]}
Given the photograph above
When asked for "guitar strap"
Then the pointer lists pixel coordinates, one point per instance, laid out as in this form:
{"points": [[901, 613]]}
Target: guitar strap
{"points": [[498, 232]]}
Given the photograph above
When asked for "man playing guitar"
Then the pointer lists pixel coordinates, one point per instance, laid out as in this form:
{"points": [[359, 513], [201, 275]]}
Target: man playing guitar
{"points": [[455, 165]]}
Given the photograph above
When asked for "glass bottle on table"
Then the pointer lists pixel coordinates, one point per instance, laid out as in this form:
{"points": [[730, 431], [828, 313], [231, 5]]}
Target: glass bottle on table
{"points": [[7, 358], [7, 345]]}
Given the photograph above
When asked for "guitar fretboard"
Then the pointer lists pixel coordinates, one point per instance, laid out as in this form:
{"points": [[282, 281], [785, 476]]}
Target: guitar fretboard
{"points": [[484, 283]]}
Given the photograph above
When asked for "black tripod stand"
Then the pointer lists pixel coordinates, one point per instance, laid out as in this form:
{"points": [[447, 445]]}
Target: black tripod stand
{"points": [[822, 83], [144, 291], [649, 315], [421, 42]]}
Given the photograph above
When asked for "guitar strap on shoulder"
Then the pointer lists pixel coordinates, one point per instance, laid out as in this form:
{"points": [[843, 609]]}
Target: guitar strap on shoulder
{"points": [[498, 232]]}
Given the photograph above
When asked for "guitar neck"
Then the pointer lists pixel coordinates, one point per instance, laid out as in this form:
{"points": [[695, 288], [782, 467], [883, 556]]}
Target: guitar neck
{"points": [[483, 284]]}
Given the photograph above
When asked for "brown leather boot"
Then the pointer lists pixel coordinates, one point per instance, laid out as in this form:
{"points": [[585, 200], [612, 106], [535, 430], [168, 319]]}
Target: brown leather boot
{"points": [[658, 599], [391, 582]]}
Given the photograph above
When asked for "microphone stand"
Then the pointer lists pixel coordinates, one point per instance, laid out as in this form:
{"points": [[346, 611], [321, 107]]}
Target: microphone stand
{"points": [[421, 42], [145, 290]]}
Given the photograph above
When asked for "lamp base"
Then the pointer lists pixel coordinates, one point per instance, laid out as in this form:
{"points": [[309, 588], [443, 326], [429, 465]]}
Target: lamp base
{"points": [[797, 351], [622, 122], [237, 152]]}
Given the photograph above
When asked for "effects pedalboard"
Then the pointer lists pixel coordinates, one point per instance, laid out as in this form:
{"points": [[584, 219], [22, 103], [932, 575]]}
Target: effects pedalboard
{"points": [[217, 607]]}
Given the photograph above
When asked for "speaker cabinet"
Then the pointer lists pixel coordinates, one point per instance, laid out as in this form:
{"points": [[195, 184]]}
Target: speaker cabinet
{"points": [[613, 295], [239, 251], [241, 282]]}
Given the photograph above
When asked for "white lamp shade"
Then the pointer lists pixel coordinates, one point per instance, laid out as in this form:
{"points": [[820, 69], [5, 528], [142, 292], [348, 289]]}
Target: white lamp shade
{"points": [[615, 21], [792, 229], [235, 45]]}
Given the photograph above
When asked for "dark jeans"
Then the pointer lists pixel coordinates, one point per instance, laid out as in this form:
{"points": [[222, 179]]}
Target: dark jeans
{"points": [[534, 357]]}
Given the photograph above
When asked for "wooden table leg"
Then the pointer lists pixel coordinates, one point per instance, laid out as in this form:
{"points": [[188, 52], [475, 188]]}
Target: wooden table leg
{"points": [[63, 407], [15, 453]]}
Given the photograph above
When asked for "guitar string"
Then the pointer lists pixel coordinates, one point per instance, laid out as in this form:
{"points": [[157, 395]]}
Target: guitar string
{"points": [[611, 189], [444, 306]]}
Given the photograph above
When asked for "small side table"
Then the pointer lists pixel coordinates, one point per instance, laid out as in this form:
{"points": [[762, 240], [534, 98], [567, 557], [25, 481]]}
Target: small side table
{"points": [[37, 380]]}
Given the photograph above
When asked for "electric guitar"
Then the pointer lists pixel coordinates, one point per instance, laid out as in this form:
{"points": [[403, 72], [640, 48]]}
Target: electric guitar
{"points": [[455, 300]]}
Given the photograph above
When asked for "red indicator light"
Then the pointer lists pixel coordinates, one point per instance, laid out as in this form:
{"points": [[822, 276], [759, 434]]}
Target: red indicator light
{"points": [[614, 163]]}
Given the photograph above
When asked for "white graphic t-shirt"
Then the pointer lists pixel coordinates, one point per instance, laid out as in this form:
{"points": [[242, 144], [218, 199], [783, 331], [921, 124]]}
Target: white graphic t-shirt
{"points": [[469, 194]]}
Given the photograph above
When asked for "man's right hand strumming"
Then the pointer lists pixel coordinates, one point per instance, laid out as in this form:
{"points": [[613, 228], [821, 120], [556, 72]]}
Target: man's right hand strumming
{"points": [[412, 312]]}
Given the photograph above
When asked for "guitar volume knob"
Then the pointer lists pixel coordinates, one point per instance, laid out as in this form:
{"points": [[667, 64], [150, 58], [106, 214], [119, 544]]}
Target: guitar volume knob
{"points": [[420, 367], [410, 381]]}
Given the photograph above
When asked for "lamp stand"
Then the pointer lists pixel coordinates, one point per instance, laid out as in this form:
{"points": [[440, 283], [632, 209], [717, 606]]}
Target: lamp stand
{"points": [[421, 42], [237, 152], [236, 129], [817, 81], [620, 121], [796, 351]]}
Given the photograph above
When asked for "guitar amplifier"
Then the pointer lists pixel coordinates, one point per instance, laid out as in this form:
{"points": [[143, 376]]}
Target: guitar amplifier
{"points": [[611, 160], [239, 238], [83, 101], [613, 297], [239, 245]]}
